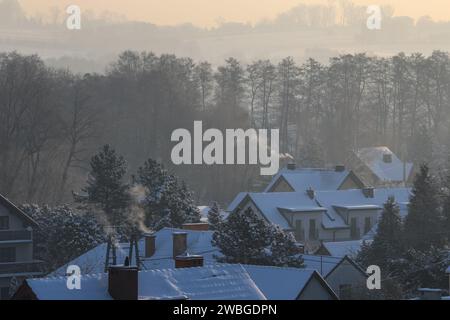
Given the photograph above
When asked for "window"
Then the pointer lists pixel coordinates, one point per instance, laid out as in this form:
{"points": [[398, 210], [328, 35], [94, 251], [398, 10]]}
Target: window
{"points": [[4, 223], [299, 233], [8, 254], [367, 225], [354, 230], [4, 293], [313, 234], [345, 291]]}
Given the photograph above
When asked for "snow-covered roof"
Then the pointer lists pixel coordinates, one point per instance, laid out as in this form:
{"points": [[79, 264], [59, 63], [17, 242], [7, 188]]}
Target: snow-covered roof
{"points": [[318, 179], [278, 283], [270, 203], [345, 248], [448, 270], [198, 242], [386, 171], [213, 282], [354, 199]]}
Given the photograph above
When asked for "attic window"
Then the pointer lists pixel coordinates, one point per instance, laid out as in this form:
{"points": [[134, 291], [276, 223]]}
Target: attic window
{"points": [[387, 158]]}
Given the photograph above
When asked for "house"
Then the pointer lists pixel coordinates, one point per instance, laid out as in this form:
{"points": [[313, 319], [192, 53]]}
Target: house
{"points": [[16, 247], [213, 282], [156, 251], [293, 179], [316, 216], [342, 248], [379, 166], [169, 248], [290, 283], [343, 275]]}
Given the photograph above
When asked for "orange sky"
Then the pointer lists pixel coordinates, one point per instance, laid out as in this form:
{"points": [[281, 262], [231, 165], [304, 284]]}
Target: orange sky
{"points": [[207, 12]]}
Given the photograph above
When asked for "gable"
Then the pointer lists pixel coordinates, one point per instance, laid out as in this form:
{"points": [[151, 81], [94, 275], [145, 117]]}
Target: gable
{"points": [[281, 185], [317, 289]]}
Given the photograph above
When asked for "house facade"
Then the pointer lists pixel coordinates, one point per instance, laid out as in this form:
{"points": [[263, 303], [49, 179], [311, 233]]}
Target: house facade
{"points": [[16, 247]]}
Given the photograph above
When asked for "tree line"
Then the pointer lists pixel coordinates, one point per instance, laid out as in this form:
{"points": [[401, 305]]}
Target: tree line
{"points": [[53, 121]]}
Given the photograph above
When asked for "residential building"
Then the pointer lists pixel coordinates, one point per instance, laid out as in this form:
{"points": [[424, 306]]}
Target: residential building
{"points": [[290, 283], [342, 248], [379, 166], [16, 247], [317, 216], [213, 282], [293, 179]]}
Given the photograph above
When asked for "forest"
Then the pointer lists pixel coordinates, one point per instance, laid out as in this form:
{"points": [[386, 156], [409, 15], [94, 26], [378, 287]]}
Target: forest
{"points": [[53, 121]]}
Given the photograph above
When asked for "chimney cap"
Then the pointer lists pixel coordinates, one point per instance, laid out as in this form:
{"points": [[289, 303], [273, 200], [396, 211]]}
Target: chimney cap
{"points": [[339, 168], [179, 232], [291, 166]]}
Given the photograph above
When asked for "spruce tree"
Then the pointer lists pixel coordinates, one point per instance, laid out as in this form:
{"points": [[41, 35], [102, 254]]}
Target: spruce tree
{"points": [[423, 222], [387, 245], [106, 187], [214, 217]]}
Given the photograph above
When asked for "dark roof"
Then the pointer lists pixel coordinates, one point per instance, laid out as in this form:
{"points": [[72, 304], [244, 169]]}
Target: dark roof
{"points": [[15, 210]]}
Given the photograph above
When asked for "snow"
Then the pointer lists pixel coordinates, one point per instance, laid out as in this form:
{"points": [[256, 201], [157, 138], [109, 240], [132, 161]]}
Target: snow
{"points": [[354, 199], [322, 264], [448, 270], [214, 282], [198, 243], [345, 248], [317, 179], [268, 204], [393, 171], [279, 283]]}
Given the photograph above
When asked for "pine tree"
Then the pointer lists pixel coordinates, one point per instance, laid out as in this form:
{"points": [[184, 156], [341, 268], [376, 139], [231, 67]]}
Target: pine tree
{"points": [[246, 238], [387, 245], [423, 222], [214, 216], [106, 187], [168, 202]]}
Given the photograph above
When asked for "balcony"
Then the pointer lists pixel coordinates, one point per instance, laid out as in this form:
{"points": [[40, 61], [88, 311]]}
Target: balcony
{"points": [[15, 235], [26, 268]]}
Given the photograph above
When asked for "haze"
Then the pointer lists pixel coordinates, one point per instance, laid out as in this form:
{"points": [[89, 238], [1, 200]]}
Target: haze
{"points": [[207, 13]]}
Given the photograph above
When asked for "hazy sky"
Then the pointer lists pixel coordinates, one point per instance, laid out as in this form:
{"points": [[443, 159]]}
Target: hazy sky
{"points": [[207, 12]]}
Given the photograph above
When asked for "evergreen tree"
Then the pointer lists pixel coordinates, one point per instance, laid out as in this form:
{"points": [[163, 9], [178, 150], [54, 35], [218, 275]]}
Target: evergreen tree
{"points": [[214, 216], [106, 187], [446, 209], [246, 238], [387, 246], [168, 203], [423, 222]]}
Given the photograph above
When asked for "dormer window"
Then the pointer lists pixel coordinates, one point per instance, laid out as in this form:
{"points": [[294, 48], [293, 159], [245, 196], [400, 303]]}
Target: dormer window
{"points": [[387, 158], [4, 222]]}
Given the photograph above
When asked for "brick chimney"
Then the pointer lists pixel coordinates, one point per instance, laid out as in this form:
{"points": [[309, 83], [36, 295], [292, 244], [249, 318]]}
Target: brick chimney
{"points": [[150, 244], [179, 243], [123, 282], [202, 226], [188, 261], [339, 168], [368, 192], [387, 158]]}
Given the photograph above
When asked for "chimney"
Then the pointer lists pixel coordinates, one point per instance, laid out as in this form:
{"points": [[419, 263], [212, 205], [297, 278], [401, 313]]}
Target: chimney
{"points": [[339, 168], [310, 192], [291, 166], [150, 244], [188, 261], [123, 282], [202, 226], [387, 158], [368, 192], [179, 243], [430, 294]]}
